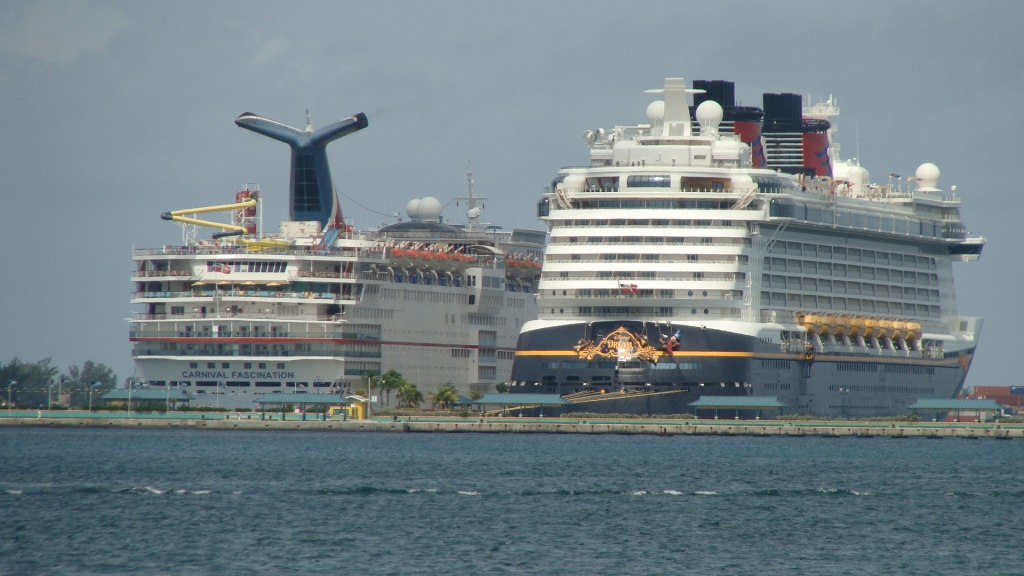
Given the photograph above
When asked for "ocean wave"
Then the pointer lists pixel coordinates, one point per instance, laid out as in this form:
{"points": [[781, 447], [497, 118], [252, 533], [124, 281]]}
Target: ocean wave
{"points": [[809, 492], [638, 493], [14, 492], [672, 492], [706, 493], [469, 492]]}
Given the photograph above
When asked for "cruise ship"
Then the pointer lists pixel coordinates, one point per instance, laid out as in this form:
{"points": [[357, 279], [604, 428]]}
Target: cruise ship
{"points": [[726, 250], [317, 305]]}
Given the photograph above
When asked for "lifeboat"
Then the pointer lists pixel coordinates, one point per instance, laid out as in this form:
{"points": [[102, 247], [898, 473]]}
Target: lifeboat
{"points": [[812, 323], [858, 327], [871, 328], [842, 326]]}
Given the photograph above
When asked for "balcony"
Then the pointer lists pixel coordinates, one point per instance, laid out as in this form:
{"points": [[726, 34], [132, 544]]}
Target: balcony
{"points": [[320, 296], [311, 335], [163, 274], [259, 353]]}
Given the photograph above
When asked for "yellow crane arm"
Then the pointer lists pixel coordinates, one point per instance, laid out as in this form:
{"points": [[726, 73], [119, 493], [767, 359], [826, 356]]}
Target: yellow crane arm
{"points": [[198, 222]]}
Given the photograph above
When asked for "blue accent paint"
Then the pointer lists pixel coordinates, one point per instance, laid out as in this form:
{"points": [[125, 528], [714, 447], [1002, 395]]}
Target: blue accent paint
{"points": [[311, 191]]}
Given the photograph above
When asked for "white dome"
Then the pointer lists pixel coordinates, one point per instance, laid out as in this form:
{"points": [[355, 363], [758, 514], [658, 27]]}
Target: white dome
{"points": [[429, 209], [473, 212], [927, 177], [709, 116], [656, 112], [413, 209]]}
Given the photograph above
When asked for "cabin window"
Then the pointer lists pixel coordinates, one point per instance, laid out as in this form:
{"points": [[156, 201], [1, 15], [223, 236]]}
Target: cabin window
{"points": [[648, 181]]}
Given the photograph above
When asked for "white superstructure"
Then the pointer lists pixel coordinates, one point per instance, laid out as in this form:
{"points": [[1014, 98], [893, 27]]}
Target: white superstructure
{"points": [[676, 224]]}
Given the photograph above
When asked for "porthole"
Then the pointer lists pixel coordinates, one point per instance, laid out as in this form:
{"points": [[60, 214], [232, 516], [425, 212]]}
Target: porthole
{"points": [[563, 292], [705, 293], [694, 311], [561, 311], [705, 311], [689, 292]]}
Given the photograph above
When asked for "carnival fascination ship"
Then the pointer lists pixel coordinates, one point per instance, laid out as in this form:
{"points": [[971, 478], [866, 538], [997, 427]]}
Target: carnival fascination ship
{"points": [[726, 250], [318, 305]]}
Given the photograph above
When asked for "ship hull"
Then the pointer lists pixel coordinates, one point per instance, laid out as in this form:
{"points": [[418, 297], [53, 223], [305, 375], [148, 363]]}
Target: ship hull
{"points": [[568, 359]]}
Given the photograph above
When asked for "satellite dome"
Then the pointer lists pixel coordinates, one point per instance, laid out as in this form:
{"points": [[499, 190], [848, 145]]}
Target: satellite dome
{"points": [[429, 209], [709, 116], [927, 177], [413, 209], [656, 112], [474, 212]]}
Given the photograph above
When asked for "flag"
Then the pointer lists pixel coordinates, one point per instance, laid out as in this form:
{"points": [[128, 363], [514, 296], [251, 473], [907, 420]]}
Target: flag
{"points": [[627, 288]]}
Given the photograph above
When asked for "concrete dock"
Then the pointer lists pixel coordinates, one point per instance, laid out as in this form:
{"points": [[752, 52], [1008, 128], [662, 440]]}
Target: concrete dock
{"points": [[654, 427]]}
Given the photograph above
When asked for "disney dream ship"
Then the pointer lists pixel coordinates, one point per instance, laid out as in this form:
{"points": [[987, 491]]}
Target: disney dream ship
{"points": [[318, 305], [726, 250]]}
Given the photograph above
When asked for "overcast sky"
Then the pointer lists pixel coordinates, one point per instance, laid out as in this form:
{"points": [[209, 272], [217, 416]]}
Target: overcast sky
{"points": [[113, 112]]}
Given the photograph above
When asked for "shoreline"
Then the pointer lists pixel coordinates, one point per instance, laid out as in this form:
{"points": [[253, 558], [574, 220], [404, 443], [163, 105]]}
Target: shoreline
{"points": [[652, 427]]}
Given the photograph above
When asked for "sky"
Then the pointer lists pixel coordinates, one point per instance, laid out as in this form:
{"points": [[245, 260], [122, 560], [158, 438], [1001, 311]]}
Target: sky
{"points": [[113, 112]]}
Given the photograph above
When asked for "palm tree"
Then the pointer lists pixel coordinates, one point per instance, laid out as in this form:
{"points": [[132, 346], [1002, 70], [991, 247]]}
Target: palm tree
{"points": [[445, 396], [391, 380], [410, 395], [476, 395]]}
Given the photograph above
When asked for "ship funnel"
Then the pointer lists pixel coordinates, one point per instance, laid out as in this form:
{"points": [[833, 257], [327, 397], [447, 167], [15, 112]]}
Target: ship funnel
{"points": [[311, 192]]}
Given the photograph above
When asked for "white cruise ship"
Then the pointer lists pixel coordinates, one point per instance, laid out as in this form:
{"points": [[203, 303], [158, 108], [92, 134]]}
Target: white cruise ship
{"points": [[317, 305], [726, 250]]}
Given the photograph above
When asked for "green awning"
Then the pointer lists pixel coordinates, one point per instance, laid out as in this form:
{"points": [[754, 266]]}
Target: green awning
{"points": [[300, 398], [951, 404], [740, 402]]}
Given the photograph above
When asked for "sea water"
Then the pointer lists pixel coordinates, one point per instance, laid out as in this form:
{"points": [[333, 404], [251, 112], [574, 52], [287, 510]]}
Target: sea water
{"points": [[99, 501]]}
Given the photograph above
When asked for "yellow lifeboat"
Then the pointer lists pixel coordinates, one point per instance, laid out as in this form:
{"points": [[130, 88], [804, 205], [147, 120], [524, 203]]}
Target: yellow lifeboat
{"points": [[885, 329], [842, 326], [899, 329], [913, 331], [871, 328], [813, 323], [858, 327]]}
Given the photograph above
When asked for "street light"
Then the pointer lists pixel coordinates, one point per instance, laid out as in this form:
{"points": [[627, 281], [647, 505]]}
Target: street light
{"points": [[94, 385], [49, 398], [12, 383]]}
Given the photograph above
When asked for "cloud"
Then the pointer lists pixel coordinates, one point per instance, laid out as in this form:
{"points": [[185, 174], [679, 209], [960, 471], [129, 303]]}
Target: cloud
{"points": [[58, 31], [271, 50]]}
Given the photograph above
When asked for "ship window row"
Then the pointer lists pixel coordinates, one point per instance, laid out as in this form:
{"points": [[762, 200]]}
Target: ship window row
{"points": [[846, 287], [257, 266], [767, 184], [630, 290], [650, 275], [852, 255], [836, 303], [646, 223], [654, 205], [647, 311], [784, 208], [650, 240], [882, 389], [670, 258], [909, 278]]}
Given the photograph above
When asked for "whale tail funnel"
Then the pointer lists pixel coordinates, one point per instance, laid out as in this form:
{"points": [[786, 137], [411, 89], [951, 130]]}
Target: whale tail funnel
{"points": [[311, 192]]}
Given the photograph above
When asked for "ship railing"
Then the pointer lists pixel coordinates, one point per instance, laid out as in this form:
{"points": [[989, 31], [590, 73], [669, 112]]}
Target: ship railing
{"points": [[377, 254], [310, 335], [228, 315], [736, 225], [683, 277], [563, 241], [654, 191], [263, 353], [247, 294], [677, 260], [311, 274], [645, 313], [618, 294], [163, 273]]}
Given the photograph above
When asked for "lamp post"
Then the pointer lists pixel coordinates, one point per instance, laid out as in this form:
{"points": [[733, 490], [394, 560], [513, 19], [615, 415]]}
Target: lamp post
{"points": [[49, 397], [91, 389], [10, 383]]}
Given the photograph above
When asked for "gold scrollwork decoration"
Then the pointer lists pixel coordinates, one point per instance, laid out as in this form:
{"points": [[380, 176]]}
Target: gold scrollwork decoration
{"points": [[621, 344]]}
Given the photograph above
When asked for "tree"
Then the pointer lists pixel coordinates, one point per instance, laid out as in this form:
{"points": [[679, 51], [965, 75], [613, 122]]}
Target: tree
{"points": [[476, 395], [31, 381], [409, 395], [445, 396], [501, 387], [391, 380], [81, 379]]}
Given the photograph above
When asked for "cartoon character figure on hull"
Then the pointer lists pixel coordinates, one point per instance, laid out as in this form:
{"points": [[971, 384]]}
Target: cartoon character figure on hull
{"points": [[720, 250]]}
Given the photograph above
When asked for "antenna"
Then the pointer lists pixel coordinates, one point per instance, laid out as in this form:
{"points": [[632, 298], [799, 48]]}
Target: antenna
{"points": [[857, 129], [309, 123]]}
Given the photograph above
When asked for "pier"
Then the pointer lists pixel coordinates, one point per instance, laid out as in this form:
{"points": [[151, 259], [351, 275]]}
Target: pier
{"points": [[506, 425]]}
